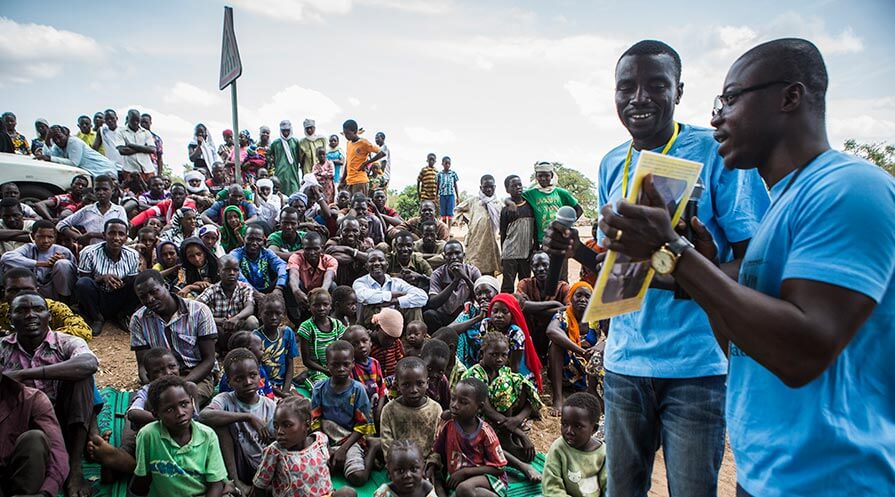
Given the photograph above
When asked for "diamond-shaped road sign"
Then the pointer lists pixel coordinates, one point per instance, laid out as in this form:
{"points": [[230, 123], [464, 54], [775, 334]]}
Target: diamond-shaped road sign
{"points": [[231, 65]]}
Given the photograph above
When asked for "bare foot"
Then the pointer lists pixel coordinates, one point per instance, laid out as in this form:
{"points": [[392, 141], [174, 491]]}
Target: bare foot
{"points": [[100, 450], [556, 410], [243, 488], [76, 486], [531, 473]]}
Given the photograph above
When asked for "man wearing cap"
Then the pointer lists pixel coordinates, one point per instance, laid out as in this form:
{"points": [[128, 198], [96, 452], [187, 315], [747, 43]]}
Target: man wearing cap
{"points": [[309, 145], [282, 158]]}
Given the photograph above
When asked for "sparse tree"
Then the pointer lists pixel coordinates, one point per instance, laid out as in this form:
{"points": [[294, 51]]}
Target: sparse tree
{"points": [[882, 154]]}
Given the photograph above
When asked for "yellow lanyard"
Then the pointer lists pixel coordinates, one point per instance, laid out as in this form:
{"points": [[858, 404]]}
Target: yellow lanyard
{"points": [[677, 128]]}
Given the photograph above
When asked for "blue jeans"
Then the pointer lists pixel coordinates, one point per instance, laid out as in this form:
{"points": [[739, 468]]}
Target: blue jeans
{"points": [[684, 416]]}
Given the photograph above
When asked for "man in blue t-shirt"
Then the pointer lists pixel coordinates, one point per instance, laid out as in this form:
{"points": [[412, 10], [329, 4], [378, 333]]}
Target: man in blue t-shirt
{"points": [[665, 374], [811, 325]]}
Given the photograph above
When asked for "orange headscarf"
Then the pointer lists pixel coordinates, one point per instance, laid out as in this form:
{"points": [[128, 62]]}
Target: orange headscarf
{"points": [[532, 361], [573, 328]]}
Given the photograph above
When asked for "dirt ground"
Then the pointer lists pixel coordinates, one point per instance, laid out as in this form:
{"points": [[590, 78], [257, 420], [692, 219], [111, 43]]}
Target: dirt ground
{"points": [[118, 369]]}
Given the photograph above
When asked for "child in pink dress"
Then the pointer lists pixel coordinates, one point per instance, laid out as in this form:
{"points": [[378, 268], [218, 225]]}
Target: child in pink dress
{"points": [[324, 170]]}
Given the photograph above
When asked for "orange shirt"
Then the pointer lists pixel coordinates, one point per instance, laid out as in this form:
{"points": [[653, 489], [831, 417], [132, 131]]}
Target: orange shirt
{"points": [[357, 153]]}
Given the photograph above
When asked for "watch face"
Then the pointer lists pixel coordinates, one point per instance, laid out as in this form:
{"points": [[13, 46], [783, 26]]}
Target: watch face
{"points": [[663, 262]]}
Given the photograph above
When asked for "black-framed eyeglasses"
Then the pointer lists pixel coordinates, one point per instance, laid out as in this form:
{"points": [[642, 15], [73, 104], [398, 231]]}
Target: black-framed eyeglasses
{"points": [[725, 99]]}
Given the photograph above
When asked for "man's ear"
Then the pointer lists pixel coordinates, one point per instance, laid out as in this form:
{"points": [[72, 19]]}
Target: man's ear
{"points": [[680, 93]]}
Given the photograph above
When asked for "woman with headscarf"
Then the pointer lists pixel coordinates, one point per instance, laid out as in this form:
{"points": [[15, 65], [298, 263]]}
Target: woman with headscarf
{"points": [[484, 289], [233, 228], [245, 139], [211, 237], [201, 149], [573, 344], [168, 263], [183, 225], [200, 267]]}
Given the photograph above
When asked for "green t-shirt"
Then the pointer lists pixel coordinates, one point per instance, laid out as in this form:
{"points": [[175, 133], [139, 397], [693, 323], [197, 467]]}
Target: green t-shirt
{"points": [[571, 472], [545, 206], [181, 471], [276, 240]]}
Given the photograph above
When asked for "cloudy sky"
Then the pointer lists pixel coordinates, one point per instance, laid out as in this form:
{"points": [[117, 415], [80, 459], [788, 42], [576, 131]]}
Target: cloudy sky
{"points": [[497, 85]]}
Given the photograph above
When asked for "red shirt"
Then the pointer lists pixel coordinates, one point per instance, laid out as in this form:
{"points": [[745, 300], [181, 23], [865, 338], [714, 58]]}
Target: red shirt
{"points": [[388, 358]]}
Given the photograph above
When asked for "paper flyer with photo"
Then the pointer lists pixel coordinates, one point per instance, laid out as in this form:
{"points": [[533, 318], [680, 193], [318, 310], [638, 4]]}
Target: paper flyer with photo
{"points": [[622, 283]]}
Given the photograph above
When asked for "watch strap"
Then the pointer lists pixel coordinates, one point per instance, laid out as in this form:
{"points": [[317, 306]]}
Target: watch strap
{"points": [[678, 245]]}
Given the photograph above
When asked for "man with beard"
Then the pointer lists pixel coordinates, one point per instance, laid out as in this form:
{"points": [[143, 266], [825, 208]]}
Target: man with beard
{"points": [[377, 290], [408, 265], [61, 366]]}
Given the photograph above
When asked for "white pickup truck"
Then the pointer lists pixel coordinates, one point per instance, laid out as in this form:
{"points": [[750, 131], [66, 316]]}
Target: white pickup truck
{"points": [[37, 179]]}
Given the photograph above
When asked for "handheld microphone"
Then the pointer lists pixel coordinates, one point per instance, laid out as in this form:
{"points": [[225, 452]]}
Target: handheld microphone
{"points": [[566, 217], [690, 211]]}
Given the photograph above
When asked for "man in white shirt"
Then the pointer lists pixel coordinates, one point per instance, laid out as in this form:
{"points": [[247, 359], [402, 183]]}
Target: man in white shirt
{"points": [[109, 137], [138, 147], [377, 290], [87, 225]]}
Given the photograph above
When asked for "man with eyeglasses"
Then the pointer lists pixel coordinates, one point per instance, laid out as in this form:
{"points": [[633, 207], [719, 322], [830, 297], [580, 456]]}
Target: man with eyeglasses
{"points": [[665, 375], [809, 325]]}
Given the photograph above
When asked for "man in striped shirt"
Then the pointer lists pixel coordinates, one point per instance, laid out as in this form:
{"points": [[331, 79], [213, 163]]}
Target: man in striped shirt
{"points": [[185, 327], [426, 185], [105, 286]]}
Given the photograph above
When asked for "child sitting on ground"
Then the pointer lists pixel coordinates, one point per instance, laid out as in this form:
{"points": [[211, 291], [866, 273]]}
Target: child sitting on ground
{"points": [[455, 366], [436, 355], [345, 305], [415, 335], [367, 369], [278, 348], [242, 419], [512, 400], [176, 455], [316, 334], [413, 415], [506, 318], [576, 461], [247, 340], [340, 408], [387, 346], [468, 459], [405, 465], [296, 465]]}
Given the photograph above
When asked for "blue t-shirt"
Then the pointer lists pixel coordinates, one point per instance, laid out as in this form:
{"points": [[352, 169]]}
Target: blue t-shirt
{"points": [[276, 354], [836, 435], [670, 338], [446, 182]]}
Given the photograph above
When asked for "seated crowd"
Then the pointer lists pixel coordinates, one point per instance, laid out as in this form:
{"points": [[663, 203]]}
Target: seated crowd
{"points": [[414, 356]]}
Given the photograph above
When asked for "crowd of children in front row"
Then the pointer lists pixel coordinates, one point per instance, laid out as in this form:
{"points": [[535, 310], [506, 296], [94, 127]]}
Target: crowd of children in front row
{"points": [[439, 428]]}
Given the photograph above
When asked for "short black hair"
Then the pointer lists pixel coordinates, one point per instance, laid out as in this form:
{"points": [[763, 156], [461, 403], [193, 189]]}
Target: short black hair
{"points": [[655, 47], [112, 221], [157, 353], [19, 272], [103, 179], [288, 210], [491, 339], [350, 125], [403, 234], [8, 184], [436, 349], [42, 224], [405, 445], [586, 401], [83, 116], [177, 185], [478, 387], [237, 355], [340, 346], [240, 339], [158, 386], [299, 405], [506, 181], [409, 363], [485, 178], [446, 335], [149, 275], [341, 293], [311, 236], [799, 61], [80, 176], [28, 293], [8, 203], [454, 241]]}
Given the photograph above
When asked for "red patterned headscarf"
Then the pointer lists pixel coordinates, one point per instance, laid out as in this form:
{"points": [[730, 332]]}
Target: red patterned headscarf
{"points": [[532, 361]]}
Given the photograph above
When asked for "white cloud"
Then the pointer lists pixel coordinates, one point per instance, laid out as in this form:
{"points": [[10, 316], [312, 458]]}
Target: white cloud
{"points": [[186, 93], [294, 10], [37, 51], [426, 136], [297, 103], [353, 101], [428, 7]]}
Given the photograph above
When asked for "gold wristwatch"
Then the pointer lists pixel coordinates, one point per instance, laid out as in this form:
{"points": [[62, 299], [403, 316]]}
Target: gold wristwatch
{"points": [[664, 260]]}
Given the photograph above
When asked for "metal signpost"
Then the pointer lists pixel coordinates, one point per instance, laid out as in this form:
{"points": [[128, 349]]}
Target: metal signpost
{"points": [[231, 68]]}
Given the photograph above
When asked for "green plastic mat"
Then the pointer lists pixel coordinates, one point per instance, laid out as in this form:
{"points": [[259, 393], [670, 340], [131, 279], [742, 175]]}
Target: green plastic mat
{"points": [[112, 418]]}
